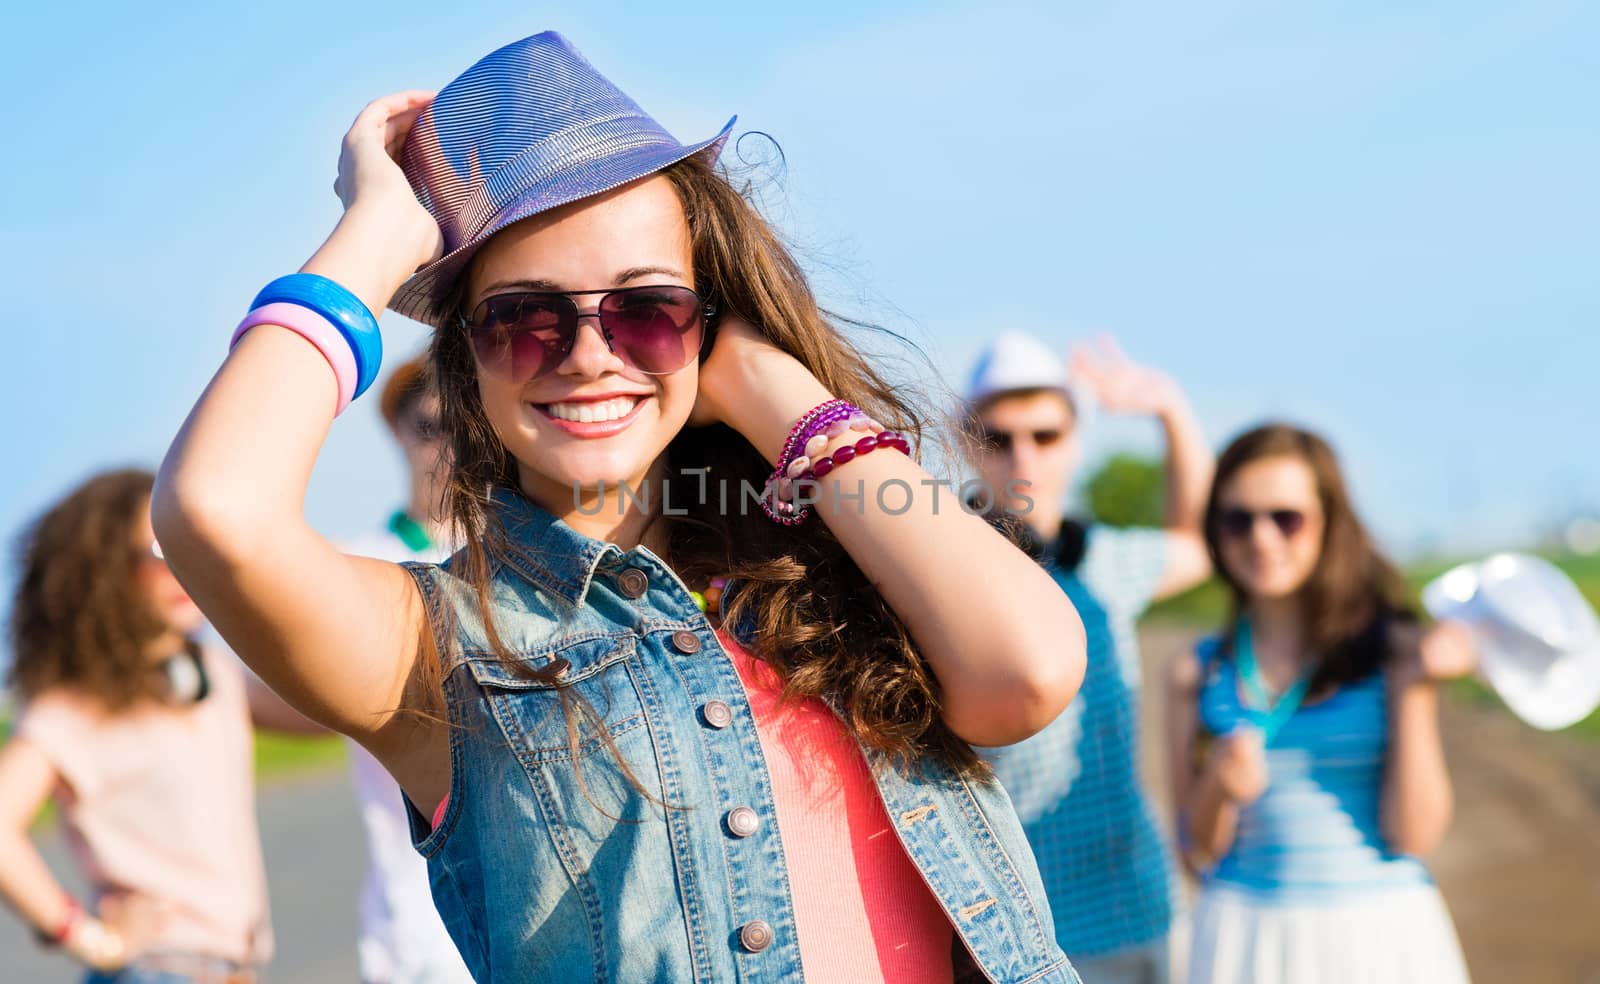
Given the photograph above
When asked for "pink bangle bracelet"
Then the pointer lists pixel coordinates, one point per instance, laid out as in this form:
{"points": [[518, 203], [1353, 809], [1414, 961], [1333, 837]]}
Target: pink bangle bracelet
{"points": [[317, 330]]}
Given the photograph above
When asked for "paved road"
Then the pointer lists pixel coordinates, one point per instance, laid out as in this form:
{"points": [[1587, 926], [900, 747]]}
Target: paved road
{"points": [[313, 844]]}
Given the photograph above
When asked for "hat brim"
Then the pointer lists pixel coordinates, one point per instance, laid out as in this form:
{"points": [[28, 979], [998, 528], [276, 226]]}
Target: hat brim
{"points": [[424, 296], [1548, 687]]}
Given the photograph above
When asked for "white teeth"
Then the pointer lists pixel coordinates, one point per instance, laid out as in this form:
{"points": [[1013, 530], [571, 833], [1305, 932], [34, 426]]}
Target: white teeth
{"points": [[593, 413]]}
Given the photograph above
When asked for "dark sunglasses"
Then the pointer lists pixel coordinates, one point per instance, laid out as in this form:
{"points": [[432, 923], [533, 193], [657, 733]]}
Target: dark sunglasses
{"points": [[1003, 441], [655, 330], [426, 427], [1239, 523]]}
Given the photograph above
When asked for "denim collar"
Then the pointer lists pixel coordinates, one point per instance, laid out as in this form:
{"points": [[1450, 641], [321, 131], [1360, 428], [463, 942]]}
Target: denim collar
{"points": [[545, 550]]}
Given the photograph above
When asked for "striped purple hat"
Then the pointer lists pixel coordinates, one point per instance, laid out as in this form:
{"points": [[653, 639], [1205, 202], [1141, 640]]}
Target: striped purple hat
{"points": [[528, 128]]}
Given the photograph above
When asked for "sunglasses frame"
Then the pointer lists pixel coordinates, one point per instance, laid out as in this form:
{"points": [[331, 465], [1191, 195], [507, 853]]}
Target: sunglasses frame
{"points": [[987, 438], [707, 314], [1288, 522]]}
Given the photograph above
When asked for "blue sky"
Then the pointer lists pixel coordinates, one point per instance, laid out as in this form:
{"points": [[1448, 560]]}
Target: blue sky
{"points": [[1378, 219]]}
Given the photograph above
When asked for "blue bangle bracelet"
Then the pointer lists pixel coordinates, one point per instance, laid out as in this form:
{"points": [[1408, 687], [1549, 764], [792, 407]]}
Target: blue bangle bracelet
{"points": [[338, 305]]}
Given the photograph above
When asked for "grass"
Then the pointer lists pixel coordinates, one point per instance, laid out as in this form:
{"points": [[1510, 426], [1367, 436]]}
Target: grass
{"points": [[1208, 605], [286, 755]]}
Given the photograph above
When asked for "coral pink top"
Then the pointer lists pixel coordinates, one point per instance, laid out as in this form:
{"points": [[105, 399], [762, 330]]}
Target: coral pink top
{"points": [[863, 911]]}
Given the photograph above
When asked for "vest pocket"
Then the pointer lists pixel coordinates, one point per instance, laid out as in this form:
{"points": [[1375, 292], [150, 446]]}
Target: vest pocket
{"points": [[580, 710], [592, 782]]}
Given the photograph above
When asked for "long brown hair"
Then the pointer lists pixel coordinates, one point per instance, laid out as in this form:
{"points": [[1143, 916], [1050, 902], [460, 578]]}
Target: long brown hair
{"points": [[1353, 592], [820, 623], [80, 619]]}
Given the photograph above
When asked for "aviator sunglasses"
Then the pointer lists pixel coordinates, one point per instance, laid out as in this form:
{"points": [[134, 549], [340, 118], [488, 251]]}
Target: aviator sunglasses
{"points": [[1239, 523], [525, 335], [1003, 441]]}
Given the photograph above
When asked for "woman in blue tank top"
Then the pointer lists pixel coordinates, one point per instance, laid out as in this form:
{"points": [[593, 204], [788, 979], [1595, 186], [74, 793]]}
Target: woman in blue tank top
{"points": [[1308, 768]]}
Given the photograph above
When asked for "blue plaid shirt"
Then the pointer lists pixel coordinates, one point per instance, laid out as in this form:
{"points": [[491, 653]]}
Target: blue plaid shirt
{"points": [[1076, 784]]}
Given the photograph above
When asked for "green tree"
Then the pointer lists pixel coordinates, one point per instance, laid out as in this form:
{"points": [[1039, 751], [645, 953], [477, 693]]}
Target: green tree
{"points": [[1127, 490]]}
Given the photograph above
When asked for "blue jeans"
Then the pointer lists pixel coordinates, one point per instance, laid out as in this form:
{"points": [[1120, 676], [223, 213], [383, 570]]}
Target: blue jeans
{"points": [[136, 975], [168, 969]]}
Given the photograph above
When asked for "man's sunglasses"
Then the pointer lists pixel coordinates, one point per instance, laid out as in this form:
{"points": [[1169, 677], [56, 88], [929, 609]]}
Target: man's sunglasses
{"points": [[1003, 441], [1240, 523], [654, 330]]}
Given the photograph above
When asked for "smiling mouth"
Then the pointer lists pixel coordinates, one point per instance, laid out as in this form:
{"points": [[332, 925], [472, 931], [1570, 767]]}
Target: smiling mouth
{"points": [[591, 411]]}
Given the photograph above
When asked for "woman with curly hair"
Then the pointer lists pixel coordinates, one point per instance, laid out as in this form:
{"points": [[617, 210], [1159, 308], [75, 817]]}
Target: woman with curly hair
{"points": [[143, 738]]}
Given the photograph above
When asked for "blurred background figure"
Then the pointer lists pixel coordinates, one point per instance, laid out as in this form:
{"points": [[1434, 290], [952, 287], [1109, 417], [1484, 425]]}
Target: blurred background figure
{"points": [[403, 940], [1076, 783], [143, 738], [1306, 758]]}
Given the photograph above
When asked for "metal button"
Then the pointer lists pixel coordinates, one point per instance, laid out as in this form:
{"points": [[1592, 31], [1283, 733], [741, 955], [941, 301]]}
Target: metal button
{"points": [[559, 666], [633, 582], [685, 641], [743, 821], [756, 935], [717, 714]]}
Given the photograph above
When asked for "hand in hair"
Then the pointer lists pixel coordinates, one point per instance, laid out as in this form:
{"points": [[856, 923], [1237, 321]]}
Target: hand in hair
{"points": [[753, 386]]}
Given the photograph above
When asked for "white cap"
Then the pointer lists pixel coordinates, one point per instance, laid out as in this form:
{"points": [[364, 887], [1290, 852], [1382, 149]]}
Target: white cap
{"points": [[1538, 640], [1015, 361]]}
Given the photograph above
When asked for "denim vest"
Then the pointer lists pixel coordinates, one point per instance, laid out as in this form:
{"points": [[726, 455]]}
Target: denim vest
{"points": [[552, 866]]}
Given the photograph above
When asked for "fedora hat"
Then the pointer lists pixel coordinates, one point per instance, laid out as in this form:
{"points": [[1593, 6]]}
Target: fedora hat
{"points": [[1016, 361], [530, 127], [1538, 640]]}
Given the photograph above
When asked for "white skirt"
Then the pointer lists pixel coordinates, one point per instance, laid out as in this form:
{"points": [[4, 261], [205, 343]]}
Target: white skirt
{"points": [[1394, 936]]}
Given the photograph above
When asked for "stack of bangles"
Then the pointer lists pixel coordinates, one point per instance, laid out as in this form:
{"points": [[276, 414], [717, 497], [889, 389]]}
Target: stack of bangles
{"points": [[330, 318], [803, 462]]}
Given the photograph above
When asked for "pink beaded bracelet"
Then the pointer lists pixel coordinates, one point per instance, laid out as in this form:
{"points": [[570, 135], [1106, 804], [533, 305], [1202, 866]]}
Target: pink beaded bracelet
{"points": [[850, 452], [782, 493], [317, 330]]}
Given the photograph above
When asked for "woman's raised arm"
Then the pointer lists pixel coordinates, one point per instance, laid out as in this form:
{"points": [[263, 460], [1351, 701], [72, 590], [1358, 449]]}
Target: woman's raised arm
{"points": [[998, 632]]}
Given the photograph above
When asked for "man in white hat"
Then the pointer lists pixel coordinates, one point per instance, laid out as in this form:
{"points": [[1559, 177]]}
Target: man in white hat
{"points": [[1076, 785]]}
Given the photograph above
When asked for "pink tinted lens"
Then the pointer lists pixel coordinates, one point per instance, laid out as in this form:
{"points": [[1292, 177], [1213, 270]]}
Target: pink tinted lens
{"points": [[521, 336], [1236, 522], [656, 330], [1288, 521]]}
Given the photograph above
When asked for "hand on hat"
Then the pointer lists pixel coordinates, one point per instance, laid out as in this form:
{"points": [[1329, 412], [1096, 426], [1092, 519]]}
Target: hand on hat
{"points": [[1119, 384], [371, 184]]}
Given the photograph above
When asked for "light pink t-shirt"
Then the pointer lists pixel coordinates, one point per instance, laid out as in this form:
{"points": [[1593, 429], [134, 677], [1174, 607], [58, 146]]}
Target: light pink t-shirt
{"points": [[161, 800], [862, 909]]}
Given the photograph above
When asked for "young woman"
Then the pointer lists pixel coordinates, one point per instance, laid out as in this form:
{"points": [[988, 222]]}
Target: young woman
{"points": [[143, 738], [608, 784], [1305, 740]]}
